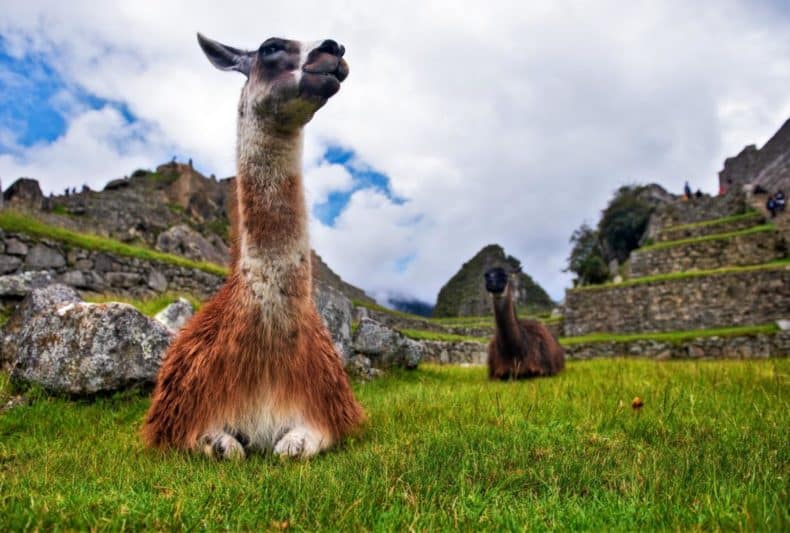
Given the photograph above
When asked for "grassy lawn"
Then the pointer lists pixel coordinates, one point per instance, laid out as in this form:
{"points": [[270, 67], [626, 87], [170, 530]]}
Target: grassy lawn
{"points": [[445, 449]]}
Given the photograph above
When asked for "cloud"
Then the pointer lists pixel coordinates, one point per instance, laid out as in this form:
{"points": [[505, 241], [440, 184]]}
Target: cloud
{"points": [[492, 122]]}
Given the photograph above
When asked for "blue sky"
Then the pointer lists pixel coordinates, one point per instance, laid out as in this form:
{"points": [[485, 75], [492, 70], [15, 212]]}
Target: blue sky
{"points": [[29, 98], [363, 176], [458, 127]]}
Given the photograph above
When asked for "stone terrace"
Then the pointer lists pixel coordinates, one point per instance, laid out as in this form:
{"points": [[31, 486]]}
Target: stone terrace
{"points": [[728, 274]]}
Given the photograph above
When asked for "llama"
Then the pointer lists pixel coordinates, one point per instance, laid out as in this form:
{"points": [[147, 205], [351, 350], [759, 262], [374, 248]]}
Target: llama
{"points": [[519, 349], [256, 369]]}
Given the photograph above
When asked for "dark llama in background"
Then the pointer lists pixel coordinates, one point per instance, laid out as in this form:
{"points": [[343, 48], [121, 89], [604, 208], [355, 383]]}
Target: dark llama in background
{"points": [[256, 368], [520, 348]]}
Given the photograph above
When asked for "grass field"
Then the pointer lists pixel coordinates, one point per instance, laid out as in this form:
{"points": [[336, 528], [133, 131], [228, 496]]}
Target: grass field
{"points": [[444, 449]]}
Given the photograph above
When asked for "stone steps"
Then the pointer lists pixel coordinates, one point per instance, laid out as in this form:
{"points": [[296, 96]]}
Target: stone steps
{"points": [[710, 227], [699, 300], [757, 345], [699, 346], [752, 247]]}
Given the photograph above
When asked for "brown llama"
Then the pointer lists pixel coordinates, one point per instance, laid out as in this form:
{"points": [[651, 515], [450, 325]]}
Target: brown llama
{"points": [[520, 348], [256, 369]]}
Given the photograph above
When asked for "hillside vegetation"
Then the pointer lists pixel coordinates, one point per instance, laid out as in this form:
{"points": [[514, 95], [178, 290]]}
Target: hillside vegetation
{"points": [[465, 294]]}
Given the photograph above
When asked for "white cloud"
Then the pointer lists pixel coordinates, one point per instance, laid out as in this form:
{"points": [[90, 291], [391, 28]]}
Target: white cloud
{"points": [[497, 121], [323, 179], [98, 145]]}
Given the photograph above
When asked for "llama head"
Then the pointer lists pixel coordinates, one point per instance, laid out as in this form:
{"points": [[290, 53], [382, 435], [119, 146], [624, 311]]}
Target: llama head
{"points": [[496, 280], [287, 81]]}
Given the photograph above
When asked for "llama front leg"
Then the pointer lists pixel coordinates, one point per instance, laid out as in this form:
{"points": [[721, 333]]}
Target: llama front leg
{"points": [[222, 445], [302, 441]]}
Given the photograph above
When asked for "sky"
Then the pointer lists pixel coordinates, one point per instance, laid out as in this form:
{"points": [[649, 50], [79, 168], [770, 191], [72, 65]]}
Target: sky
{"points": [[461, 124]]}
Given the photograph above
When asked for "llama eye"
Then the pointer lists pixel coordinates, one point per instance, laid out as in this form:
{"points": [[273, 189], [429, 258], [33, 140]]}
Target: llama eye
{"points": [[269, 49]]}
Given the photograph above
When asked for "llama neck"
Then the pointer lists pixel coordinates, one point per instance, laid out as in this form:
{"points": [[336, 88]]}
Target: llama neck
{"points": [[274, 252], [507, 326]]}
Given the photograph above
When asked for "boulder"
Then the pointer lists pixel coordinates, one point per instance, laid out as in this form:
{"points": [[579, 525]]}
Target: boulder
{"points": [[114, 185], [20, 285], [176, 315], [24, 192], [336, 310], [386, 347], [183, 240], [69, 346]]}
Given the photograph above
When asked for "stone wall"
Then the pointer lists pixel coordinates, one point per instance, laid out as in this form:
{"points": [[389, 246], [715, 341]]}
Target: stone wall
{"points": [[735, 347], [695, 210], [401, 322], [739, 347], [690, 232], [740, 250], [472, 353], [698, 302], [101, 272]]}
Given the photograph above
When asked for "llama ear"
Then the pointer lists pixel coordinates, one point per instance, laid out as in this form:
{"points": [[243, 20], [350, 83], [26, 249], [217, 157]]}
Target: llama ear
{"points": [[225, 57]]}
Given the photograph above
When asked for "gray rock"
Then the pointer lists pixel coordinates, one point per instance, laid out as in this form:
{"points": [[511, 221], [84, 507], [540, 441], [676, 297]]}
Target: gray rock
{"points": [[123, 279], [74, 278], [183, 240], [20, 285], [361, 367], [784, 325], [24, 192], [103, 263], [336, 310], [68, 346], [9, 263], [83, 264], [176, 315], [15, 247], [386, 347], [42, 256], [157, 281]]}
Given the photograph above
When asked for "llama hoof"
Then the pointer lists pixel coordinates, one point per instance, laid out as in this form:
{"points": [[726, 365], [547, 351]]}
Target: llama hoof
{"points": [[222, 446], [297, 443]]}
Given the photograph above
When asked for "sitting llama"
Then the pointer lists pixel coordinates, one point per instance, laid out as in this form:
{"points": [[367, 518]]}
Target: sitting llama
{"points": [[520, 348]]}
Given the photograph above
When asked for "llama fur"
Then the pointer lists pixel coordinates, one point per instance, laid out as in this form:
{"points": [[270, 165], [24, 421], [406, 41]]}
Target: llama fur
{"points": [[256, 368]]}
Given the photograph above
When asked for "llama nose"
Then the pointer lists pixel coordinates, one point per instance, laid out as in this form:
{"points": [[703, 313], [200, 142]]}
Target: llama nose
{"points": [[331, 47]]}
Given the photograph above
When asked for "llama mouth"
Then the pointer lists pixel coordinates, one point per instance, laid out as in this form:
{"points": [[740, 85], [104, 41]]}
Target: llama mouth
{"points": [[337, 74]]}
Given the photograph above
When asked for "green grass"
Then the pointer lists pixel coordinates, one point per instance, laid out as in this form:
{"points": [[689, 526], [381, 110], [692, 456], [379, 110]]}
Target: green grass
{"points": [[444, 450], [714, 237], [716, 221], [147, 306], [469, 321], [773, 265], [671, 336], [14, 221]]}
